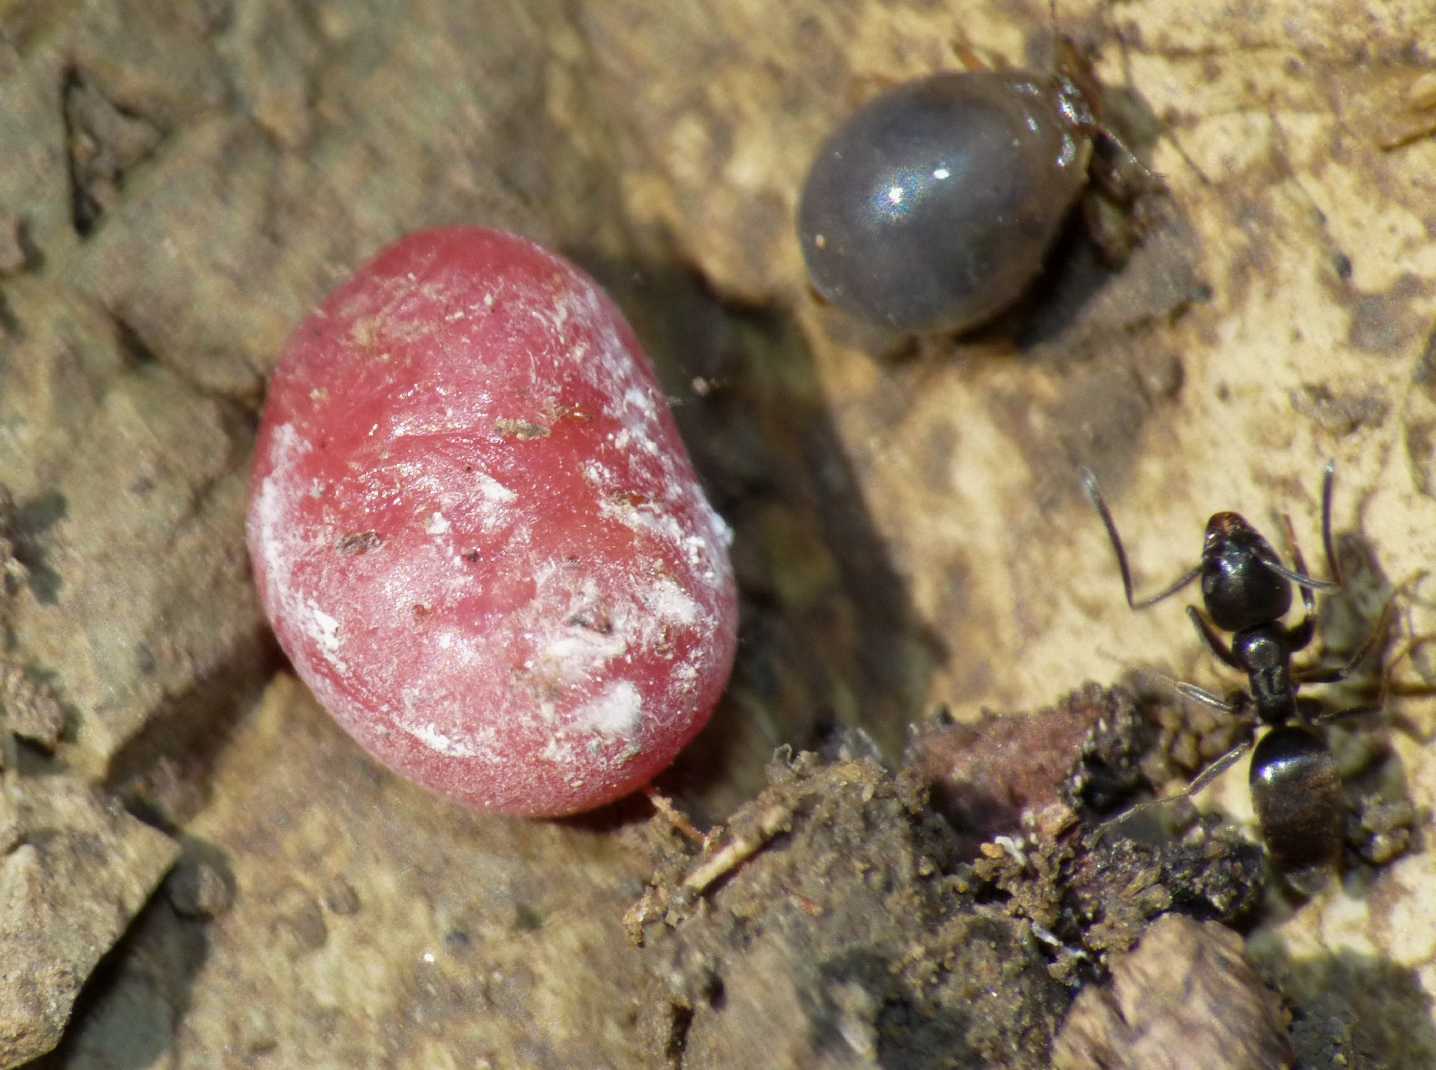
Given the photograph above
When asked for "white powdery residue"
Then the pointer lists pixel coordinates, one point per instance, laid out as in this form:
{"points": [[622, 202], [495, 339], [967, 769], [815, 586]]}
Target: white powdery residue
{"points": [[494, 491], [581, 303], [617, 712], [670, 603], [638, 398], [576, 636], [426, 422], [598, 473], [576, 651], [432, 737], [557, 751], [720, 527], [457, 646], [272, 506], [695, 548], [682, 680], [620, 440], [554, 310], [376, 494], [648, 518], [560, 315], [403, 480], [495, 502], [416, 718], [438, 524], [324, 630]]}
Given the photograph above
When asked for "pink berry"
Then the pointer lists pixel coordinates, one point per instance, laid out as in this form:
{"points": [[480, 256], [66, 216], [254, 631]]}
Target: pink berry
{"points": [[477, 532]]}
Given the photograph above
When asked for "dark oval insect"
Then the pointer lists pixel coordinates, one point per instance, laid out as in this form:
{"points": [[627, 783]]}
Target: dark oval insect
{"points": [[1296, 790], [932, 208]]}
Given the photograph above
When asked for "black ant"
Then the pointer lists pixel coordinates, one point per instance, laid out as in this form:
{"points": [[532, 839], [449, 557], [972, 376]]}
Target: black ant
{"points": [[1296, 789]]}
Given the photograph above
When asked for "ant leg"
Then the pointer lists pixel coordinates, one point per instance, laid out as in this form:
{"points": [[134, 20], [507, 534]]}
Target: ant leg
{"points": [[1199, 782], [1303, 633], [1120, 172], [969, 59], [1214, 642], [1331, 716], [1094, 495], [1217, 768], [1319, 674], [1300, 577], [1120, 207], [1389, 687], [1206, 698]]}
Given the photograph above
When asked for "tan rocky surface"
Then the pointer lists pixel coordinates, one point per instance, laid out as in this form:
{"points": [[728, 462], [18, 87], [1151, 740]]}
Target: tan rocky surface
{"points": [[178, 184], [75, 870], [1185, 996]]}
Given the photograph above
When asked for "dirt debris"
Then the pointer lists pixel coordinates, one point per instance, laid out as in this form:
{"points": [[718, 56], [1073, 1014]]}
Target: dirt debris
{"points": [[836, 937], [988, 776], [1185, 996], [852, 899]]}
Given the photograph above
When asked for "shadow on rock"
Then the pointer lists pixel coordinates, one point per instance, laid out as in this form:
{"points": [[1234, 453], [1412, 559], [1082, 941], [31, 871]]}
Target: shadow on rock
{"points": [[828, 634]]}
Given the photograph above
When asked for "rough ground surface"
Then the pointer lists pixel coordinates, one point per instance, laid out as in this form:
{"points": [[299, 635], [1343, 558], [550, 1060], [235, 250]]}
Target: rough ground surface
{"points": [[1185, 996], [75, 870], [178, 184], [842, 926]]}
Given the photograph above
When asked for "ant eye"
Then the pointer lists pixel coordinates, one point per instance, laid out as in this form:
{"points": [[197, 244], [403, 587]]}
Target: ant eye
{"points": [[932, 208]]}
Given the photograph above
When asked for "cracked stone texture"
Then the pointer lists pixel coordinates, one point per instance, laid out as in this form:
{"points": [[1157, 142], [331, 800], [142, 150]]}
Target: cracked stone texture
{"points": [[76, 868], [179, 184]]}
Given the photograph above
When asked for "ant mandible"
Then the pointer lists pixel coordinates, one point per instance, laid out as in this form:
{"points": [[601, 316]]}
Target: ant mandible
{"points": [[1296, 789]]}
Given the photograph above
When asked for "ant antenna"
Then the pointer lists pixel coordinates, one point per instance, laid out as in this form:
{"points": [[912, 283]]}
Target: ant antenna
{"points": [[1309, 582], [1094, 495], [1299, 576], [1332, 561]]}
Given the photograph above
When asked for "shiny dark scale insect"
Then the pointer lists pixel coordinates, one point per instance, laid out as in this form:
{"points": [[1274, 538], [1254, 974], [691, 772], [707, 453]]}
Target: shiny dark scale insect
{"points": [[1246, 590], [932, 208]]}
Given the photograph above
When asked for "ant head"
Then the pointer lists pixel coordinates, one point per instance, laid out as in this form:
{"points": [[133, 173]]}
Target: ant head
{"points": [[1239, 589]]}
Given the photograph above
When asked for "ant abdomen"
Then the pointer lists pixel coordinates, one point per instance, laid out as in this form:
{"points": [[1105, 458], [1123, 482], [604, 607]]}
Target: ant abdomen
{"points": [[1300, 805]]}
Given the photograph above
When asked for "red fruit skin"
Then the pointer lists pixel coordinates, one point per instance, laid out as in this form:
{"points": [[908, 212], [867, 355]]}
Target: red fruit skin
{"points": [[478, 535]]}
